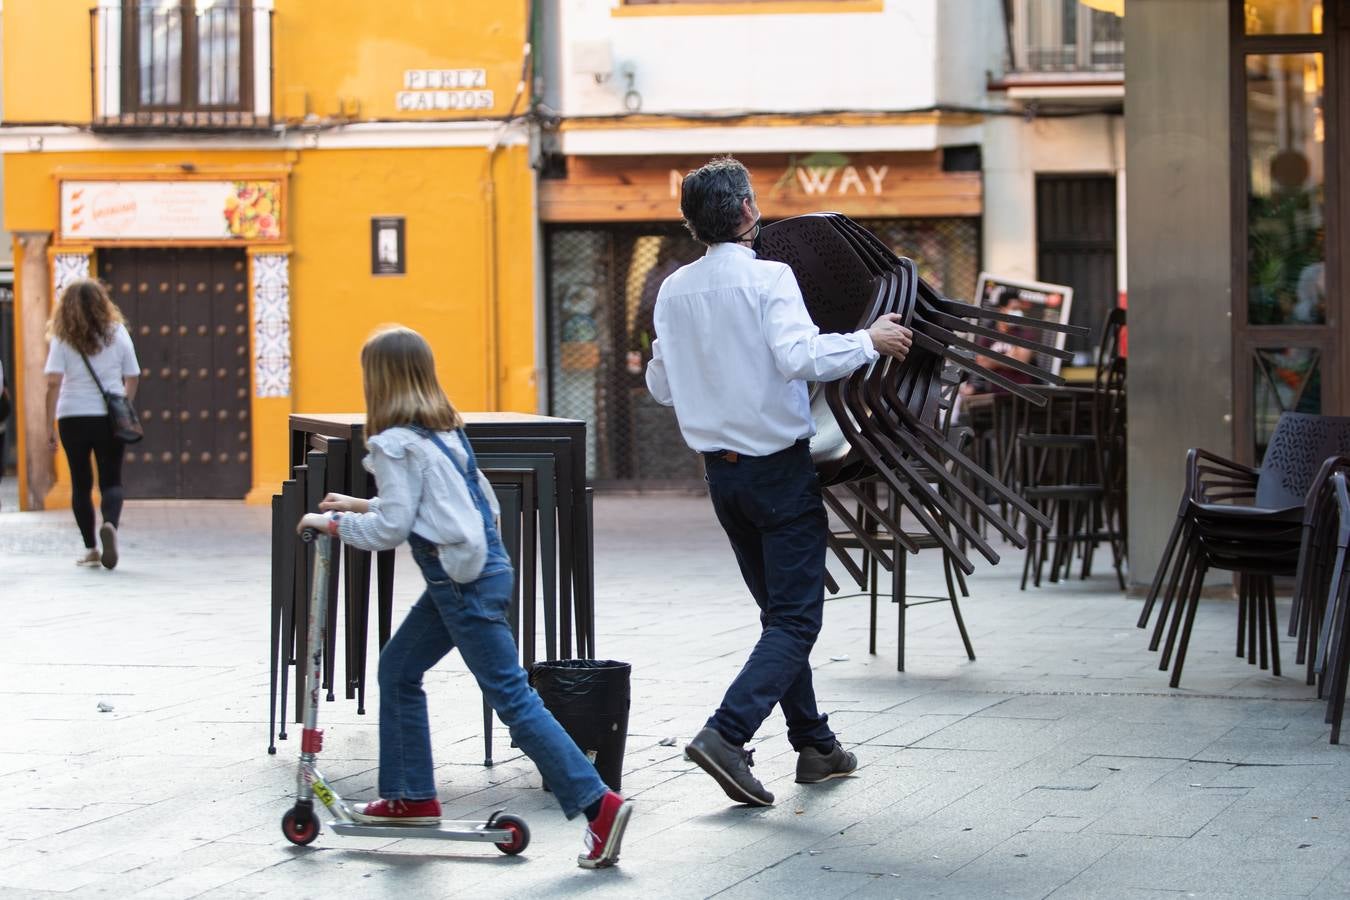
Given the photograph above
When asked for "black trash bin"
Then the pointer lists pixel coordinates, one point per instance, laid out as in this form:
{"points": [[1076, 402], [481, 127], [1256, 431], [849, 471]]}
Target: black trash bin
{"points": [[589, 698]]}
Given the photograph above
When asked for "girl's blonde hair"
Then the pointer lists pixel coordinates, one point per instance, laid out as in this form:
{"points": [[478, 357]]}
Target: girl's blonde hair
{"points": [[85, 317], [398, 374]]}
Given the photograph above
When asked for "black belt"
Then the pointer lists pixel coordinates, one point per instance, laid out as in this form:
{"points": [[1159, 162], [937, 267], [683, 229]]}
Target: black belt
{"points": [[732, 456]]}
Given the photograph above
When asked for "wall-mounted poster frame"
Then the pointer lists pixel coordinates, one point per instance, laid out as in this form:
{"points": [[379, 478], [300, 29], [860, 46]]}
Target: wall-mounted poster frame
{"points": [[388, 255], [1033, 299]]}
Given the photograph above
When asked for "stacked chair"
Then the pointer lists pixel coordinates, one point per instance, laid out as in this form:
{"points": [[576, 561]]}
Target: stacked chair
{"points": [[1071, 466], [879, 430], [883, 551], [1250, 521], [1322, 591]]}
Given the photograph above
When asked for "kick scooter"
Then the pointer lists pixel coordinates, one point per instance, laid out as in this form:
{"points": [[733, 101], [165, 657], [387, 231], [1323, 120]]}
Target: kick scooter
{"points": [[300, 824]]}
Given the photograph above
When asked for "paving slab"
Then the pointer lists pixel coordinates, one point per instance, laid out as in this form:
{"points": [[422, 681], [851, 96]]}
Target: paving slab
{"points": [[1059, 763]]}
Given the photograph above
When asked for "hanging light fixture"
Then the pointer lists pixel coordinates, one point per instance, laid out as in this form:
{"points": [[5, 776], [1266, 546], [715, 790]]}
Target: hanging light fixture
{"points": [[1116, 7]]}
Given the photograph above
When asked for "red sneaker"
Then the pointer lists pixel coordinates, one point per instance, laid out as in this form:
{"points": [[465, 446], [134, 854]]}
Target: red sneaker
{"points": [[399, 812], [605, 834]]}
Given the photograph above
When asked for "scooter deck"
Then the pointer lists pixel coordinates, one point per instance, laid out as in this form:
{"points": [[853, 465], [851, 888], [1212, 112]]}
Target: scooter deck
{"points": [[445, 831]]}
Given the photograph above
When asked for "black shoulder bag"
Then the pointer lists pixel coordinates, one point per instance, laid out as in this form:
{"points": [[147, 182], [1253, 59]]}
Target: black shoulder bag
{"points": [[126, 425]]}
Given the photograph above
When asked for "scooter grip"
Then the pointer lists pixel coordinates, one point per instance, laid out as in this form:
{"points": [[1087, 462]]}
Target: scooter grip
{"points": [[309, 535]]}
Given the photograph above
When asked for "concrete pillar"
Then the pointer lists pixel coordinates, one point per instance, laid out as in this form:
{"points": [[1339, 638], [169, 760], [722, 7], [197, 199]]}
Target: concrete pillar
{"points": [[1177, 124], [33, 296]]}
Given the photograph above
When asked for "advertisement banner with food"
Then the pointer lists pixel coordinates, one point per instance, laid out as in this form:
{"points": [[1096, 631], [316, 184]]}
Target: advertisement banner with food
{"points": [[171, 210]]}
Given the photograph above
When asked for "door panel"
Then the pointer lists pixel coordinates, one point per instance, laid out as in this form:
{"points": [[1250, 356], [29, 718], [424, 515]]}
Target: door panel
{"points": [[1076, 245], [187, 310], [230, 389]]}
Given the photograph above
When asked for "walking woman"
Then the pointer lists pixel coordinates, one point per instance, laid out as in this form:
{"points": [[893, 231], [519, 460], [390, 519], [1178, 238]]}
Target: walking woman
{"points": [[91, 354]]}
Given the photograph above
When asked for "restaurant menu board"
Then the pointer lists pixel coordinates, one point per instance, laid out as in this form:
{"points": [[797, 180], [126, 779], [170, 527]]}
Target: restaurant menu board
{"points": [[1033, 299]]}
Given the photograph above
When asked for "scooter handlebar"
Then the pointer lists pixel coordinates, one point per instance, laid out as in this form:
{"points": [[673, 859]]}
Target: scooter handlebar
{"points": [[309, 535]]}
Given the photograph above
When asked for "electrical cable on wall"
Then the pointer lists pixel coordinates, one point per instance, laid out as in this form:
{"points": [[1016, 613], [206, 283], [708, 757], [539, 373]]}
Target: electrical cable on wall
{"points": [[548, 118]]}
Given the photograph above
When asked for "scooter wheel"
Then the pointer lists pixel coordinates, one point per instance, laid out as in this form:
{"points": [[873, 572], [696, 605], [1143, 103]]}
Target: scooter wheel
{"points": [[520, 834], [299, 831]]}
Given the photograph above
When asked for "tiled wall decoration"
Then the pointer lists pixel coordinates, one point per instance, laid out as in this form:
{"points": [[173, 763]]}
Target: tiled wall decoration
{"points": [[272, 325], [68, 267]]}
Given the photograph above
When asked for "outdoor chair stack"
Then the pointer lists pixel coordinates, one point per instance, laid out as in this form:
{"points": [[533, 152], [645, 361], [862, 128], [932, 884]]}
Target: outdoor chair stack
{"points": [[883, 422], [1070, 464], [1249, 521], [1322, 592], [884, 551]]}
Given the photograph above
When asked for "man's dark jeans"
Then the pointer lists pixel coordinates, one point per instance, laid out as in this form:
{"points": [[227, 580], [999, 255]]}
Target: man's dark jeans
{"points": [[771, 509]]}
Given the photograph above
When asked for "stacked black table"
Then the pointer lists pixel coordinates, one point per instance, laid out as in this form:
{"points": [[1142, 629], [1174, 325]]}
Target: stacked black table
{"points": [[537, 466]]}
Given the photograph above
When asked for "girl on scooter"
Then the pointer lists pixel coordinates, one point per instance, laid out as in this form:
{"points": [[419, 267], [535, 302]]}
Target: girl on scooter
{"points": [[433, 495]]}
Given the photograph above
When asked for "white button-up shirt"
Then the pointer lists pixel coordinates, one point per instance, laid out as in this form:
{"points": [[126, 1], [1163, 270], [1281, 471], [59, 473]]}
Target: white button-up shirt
{"points": [[734, 349]]}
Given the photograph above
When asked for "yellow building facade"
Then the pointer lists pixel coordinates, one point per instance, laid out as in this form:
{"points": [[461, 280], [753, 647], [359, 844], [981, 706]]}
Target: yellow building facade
{"points": [[261, 184]]}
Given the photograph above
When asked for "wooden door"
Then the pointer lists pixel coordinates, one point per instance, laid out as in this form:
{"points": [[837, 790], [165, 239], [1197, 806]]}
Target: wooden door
{"points": [[187, 311]]}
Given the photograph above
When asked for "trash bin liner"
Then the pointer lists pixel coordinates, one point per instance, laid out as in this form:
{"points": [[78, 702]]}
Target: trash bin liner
{"points": [[589, 698]]}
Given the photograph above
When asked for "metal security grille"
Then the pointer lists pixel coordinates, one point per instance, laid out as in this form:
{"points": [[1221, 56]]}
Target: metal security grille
{"points": [[1076, 245], [1066, 36], [602, 286], [946, 251], [179, 64]]}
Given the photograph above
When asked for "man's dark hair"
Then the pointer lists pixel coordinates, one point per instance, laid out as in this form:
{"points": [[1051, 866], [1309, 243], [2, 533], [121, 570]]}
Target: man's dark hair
{"points": [[710, 200]]}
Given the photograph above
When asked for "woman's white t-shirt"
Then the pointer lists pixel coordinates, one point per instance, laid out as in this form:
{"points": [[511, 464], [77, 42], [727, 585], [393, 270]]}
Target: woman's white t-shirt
{"points": [[79, 395]]}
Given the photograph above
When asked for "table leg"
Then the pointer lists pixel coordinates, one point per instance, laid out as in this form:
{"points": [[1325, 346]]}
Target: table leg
{"points": [[384, 598], [317, 487], [274, 622], [302, 571]]}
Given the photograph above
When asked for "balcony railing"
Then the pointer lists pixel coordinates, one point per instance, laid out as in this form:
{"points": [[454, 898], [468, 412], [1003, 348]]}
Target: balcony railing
{"points": [[1064, 36], [203, 65]]}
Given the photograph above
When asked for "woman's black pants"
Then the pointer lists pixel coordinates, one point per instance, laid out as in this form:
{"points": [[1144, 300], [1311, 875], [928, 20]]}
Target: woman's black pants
{"points": [[83, 437]]}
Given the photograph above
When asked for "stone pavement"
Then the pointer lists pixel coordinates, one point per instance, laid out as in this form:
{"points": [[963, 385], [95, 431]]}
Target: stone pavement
{"points": [[1057, 765]]}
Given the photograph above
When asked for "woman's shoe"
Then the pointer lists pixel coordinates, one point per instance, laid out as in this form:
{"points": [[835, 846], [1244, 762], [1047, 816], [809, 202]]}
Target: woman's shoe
{"points": [[91, 558], [107, 536]]}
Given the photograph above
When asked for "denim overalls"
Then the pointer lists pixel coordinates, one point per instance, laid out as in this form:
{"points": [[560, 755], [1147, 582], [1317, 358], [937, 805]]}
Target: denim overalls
{"points": [[471, 617], [497, 558]]}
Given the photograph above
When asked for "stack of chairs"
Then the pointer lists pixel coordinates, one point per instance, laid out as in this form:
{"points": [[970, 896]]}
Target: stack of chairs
{"points": [[1246, 520], [852, 502], [1322, 590], [1071, 466], [882, 423]]}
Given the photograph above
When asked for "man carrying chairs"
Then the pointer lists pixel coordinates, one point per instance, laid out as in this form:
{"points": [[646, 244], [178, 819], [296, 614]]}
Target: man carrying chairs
{"points": [[734, 349]]}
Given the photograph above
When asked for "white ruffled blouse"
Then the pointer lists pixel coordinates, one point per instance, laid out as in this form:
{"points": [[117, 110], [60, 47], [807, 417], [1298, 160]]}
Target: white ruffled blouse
{"points": [[421, 491]]}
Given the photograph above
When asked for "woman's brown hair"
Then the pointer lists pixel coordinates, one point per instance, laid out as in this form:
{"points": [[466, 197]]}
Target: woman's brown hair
{"points": [[398, 374], [85, 317]]}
